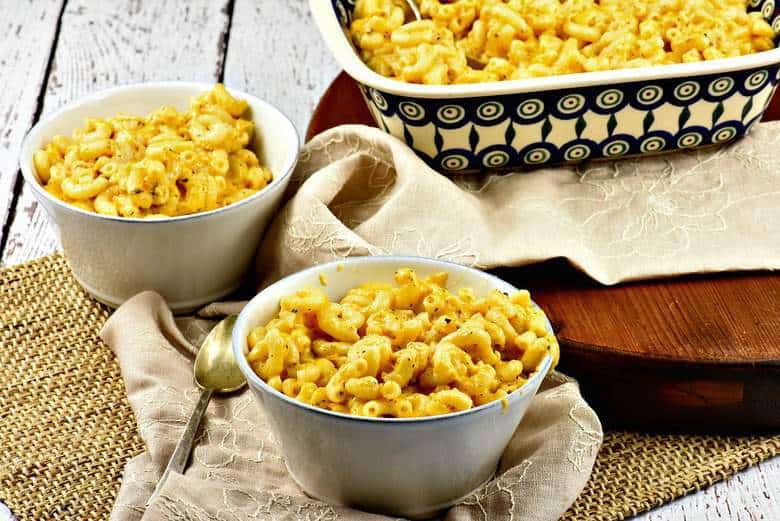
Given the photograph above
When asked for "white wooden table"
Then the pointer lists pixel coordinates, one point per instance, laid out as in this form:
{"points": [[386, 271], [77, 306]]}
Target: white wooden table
{"points": [[54, 51]]}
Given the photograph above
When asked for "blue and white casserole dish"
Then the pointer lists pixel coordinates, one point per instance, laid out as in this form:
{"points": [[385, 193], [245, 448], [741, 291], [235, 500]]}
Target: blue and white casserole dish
{"points": [[563, 119]]}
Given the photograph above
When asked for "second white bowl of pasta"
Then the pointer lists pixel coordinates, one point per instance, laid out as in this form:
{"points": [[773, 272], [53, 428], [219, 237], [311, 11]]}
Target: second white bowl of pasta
{"points": [[165, 186], [393, 384]]}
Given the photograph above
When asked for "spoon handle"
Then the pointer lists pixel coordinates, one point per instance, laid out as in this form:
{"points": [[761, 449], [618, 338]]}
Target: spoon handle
{"points": [[415, 9], [182, 452]]}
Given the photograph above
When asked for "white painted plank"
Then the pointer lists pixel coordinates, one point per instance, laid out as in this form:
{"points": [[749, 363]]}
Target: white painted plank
{"points": [[276, 53], [103, 44], [26, 41]]}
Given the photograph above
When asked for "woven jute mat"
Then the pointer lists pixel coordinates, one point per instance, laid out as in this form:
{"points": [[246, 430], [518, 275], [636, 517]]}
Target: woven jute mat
{"points": [[66, 428]]}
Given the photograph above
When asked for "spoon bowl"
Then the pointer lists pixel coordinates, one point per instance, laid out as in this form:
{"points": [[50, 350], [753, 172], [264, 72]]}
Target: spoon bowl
{"points": [[215, 366], [216, 371]]}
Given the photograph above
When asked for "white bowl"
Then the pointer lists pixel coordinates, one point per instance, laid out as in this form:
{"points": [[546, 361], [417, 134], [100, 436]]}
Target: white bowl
{"points": [[411, 467], [190, 260]]}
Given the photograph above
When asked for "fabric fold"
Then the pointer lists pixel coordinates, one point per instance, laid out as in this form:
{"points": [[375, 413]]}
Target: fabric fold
{"points": [[362, 192]]}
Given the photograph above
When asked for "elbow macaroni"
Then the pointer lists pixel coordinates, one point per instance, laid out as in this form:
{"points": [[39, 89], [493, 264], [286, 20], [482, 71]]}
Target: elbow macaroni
{"points": [[165, 164], [514, 39], [408, 350]]}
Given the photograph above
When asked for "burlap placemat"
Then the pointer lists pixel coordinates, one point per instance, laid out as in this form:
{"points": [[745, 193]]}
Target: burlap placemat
{"points": [[66, 429]]}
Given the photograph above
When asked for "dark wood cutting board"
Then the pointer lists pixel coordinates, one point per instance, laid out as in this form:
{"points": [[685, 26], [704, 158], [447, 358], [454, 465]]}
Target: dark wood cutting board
{"points": [[687, 353]]}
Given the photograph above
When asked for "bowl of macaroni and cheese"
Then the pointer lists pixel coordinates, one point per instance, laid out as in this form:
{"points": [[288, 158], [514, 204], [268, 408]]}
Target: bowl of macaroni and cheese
{"points": [[393, 384], [161, 186], [481, 85]]}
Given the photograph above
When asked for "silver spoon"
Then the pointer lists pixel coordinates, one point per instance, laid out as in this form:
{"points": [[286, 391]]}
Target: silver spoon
{"points": [[472, 62], [216, 371]]}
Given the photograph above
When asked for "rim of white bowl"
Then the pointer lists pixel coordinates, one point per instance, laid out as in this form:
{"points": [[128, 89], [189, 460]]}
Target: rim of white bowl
{"points": [[339, 45], [239, 341], [26, 155]]}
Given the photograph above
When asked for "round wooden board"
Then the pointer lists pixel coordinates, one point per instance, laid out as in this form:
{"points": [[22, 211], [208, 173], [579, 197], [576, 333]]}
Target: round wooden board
{"points": [[688, 353]]}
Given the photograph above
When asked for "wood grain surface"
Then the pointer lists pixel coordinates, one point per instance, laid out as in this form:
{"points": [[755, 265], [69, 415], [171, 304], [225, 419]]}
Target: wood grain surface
{"points": [[275, 53], [26, 44], [268, 47]]}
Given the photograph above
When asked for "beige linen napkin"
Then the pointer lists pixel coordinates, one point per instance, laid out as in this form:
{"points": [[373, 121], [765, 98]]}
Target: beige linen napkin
{"points": [[698, 211], [237, 472]]}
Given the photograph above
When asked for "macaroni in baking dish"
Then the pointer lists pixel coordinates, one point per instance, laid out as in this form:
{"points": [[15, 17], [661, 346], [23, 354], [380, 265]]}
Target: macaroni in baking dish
{"points": [[468, 41], [404, 350], [167, 163]]}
